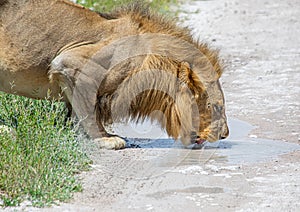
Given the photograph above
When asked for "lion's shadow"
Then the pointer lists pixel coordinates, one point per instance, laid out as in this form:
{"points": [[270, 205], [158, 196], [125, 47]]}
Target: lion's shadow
{"points": [[171, 143]]}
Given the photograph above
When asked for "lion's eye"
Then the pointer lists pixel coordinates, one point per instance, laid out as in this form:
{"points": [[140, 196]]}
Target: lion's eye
{"points": [[218, 108]]}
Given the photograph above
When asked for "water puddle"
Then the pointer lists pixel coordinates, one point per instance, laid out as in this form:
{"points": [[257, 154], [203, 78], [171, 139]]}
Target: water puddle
{"points": [[238, 148]]}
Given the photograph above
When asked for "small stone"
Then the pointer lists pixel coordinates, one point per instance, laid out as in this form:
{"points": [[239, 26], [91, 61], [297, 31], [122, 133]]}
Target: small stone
{"points": [[253, 136]]}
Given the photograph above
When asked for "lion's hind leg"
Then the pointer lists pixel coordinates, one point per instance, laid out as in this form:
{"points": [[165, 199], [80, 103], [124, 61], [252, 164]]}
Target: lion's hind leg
{"points": [[79, 80]]}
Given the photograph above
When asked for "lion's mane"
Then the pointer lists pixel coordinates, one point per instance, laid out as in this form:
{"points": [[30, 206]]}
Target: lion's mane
{"points": [[173, 84]]}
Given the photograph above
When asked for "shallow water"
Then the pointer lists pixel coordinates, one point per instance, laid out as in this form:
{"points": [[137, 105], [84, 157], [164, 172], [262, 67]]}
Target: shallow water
{"points": [[239, 147]]}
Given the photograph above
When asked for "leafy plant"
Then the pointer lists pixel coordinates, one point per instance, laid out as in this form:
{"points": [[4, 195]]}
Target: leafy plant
{"points": [[39, 152], [162, 6]]}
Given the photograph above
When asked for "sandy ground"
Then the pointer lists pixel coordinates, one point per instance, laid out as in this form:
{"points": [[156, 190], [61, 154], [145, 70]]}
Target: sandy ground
{"points": [[260, 42]]}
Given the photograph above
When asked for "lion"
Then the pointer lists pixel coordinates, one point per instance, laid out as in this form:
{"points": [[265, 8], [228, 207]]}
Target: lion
{"points": [[131, 64]]}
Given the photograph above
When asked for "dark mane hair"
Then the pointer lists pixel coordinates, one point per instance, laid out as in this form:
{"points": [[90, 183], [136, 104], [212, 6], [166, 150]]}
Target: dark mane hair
{"points": [[2, 2], [106, 16], [150, 21]]}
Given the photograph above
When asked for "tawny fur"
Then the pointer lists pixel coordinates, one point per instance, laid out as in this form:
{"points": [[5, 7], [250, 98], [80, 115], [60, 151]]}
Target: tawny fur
{"points": [[174, 99], [176, 121], [150, 22]]}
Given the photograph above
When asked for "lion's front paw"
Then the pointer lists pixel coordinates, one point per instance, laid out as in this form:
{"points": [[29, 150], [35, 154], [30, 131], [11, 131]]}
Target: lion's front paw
{"points": [[113, 142]]}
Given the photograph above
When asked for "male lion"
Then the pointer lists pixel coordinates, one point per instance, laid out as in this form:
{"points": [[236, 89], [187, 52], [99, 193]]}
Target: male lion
{"points": [[110, 67]]}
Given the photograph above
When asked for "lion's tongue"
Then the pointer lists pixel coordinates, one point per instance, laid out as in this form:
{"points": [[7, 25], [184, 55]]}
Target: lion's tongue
{"points": [[200, 141]]}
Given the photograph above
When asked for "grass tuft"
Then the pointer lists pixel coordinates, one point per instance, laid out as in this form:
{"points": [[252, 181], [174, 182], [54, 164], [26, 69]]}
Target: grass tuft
{"points": [[162, 6], [40, 152]]}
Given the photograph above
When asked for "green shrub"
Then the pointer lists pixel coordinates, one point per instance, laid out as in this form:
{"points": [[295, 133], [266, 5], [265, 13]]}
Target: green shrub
{"points": [[107, 5], [39, 152]]}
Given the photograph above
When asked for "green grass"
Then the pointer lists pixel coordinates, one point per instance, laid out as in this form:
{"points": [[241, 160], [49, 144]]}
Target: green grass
{"points": [[40, 153], [162, 6]]}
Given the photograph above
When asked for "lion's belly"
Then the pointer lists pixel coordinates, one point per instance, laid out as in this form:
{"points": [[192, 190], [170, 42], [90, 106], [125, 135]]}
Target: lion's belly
{"points": [[19, 76], [30, 83]]}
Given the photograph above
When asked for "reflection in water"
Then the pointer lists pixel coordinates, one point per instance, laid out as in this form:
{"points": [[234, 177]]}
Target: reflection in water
{"points": [[238, 148]]}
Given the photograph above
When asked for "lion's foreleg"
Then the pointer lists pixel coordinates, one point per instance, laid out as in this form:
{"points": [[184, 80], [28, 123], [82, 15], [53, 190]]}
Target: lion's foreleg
{"points": [[80, 82]]}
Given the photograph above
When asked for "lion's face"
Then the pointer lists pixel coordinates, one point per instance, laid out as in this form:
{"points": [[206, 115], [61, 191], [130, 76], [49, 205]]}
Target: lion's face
{"points": [[212, 120], [211, 123]]}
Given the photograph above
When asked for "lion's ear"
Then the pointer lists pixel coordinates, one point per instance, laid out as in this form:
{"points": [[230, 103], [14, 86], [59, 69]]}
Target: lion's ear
{"points": [[185, 65], [183, 72]]}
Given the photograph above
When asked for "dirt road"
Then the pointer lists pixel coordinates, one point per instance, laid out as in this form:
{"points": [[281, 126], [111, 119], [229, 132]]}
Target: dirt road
{"points": [[260, 42]]}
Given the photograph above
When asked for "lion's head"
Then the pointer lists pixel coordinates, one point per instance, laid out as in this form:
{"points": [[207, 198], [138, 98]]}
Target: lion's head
{"points": [[208, 108]]}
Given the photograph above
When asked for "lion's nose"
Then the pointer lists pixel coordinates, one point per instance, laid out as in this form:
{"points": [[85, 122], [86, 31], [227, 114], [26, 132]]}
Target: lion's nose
{"points": [[225, 133]]}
